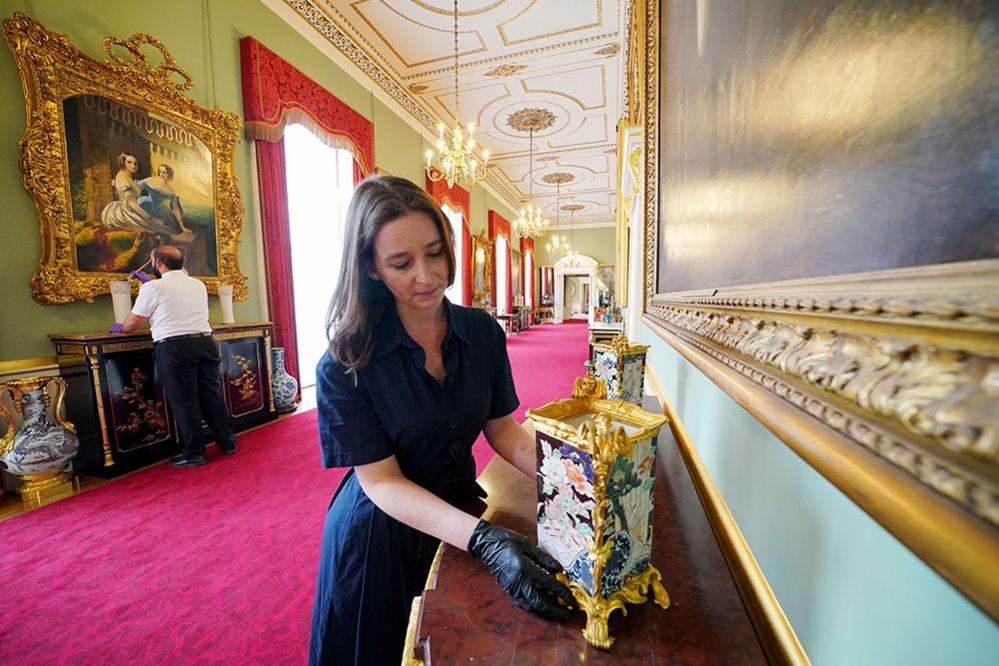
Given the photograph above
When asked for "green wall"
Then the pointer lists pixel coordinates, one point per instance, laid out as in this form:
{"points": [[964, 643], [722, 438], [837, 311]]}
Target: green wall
{"points": [[182, 27], [597, 243], [853, 593]]}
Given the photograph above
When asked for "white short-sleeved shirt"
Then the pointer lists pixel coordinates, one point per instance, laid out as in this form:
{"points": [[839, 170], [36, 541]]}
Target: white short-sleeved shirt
{"points": [[176, 304]]}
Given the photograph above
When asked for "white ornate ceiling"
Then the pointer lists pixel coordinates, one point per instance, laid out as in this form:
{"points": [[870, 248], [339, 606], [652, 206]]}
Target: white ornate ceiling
{"points": [[564, 57]]}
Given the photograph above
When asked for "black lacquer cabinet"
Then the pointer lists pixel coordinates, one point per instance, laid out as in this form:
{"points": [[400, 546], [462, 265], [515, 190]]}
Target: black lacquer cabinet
{"points": [[116, 401]]}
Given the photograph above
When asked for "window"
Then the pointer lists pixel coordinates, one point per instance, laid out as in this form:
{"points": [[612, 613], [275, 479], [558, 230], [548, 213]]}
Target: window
{"points": [[528, 279], [502, 273], [456, 292], [320, 184]]}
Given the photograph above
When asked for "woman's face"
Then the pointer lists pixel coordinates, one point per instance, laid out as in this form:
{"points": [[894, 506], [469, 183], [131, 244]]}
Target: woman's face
{"points": [[163, 173], [411, 260], [131, 164]]}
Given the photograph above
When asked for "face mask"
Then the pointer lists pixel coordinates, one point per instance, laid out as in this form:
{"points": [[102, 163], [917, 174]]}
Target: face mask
{"points": [[155, 272]]}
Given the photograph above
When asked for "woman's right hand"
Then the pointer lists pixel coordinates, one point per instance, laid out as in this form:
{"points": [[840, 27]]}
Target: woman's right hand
{"points": [[522, 569]]}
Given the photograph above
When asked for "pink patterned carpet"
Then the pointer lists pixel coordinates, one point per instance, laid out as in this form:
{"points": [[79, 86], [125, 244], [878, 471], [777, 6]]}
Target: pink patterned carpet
{"points": [[211, 565]]}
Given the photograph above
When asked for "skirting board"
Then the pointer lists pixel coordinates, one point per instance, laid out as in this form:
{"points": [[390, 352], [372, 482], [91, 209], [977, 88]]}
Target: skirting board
{"points": [[772, 627]]}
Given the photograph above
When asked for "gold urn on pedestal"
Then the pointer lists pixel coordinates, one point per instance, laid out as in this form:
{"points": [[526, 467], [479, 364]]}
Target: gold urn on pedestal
{"points": [[596, 472]]}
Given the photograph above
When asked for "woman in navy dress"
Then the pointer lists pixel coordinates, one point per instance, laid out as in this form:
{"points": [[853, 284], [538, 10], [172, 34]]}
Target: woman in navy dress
{"points": [[408, 383]]}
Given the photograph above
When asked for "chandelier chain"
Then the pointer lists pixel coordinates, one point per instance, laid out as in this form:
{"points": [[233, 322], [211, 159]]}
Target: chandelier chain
{"points": [[457, 97], [530, 167]]}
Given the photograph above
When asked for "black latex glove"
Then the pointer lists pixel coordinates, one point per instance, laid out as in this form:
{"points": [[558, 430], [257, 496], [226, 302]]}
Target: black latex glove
{"points": [[522, 569]]}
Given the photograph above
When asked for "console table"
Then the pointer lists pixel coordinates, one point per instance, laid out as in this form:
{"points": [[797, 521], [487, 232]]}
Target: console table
{"points": [[115, 399], [464, 617]]}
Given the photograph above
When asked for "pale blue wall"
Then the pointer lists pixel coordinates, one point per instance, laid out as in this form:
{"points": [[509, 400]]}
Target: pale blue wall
{"points": [[853, 593]]}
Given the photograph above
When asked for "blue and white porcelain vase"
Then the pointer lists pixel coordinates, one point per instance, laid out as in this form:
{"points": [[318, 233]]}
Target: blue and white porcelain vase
{"points": [[283, 385], [596, 474], [41, 449]]}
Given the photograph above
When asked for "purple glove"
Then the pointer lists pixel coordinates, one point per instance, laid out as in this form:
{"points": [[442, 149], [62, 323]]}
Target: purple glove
{"points": [[140, 276], [115, 328]]}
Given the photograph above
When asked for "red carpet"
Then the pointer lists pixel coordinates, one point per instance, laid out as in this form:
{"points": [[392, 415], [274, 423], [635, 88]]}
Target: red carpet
{"points": [[211, 565]]}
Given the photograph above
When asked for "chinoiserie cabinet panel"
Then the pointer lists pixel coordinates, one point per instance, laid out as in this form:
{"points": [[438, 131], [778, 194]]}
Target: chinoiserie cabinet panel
{"points": [[121, 414], [134, 404], [246, 382]]}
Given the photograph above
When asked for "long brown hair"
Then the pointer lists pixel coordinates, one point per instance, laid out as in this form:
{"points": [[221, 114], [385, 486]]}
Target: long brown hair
{"points": [[359, 301]]}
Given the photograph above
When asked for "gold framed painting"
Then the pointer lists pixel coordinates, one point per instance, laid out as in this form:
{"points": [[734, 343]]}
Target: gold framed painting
{"points": [[118, 161], [482, 270], [849, 305]]}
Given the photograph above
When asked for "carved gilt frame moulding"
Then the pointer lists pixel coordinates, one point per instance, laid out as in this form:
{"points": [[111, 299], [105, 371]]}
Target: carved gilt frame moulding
{"points": [[52, 70], [884, 382]]}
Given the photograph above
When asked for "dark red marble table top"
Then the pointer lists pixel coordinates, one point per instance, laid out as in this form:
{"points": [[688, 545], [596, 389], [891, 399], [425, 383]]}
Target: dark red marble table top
{"points": [[466, 617]]}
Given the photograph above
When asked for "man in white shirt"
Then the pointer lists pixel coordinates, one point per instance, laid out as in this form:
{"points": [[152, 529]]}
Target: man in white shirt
{"points": [[187, 357]]}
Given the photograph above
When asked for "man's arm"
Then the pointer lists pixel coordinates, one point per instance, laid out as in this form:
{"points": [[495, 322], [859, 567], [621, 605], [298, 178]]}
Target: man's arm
{"points": [[133, 322]]}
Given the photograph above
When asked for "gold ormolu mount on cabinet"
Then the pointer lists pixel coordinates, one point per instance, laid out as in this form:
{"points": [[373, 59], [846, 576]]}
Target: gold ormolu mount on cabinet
{"points": [[596, 472]]}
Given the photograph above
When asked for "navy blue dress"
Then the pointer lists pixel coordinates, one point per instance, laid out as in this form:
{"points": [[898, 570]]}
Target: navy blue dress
{"points": [[371, 565]]}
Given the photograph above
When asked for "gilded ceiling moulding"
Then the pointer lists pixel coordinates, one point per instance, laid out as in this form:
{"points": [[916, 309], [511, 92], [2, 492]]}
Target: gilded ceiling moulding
{"points": [[558, 178], [504, 70], [518, 54], [531, 119], [551, 155]]}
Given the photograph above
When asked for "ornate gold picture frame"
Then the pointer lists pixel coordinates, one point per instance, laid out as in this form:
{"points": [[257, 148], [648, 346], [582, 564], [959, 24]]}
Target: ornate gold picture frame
{"points": [[482, 270], [884, 382], [118, 160]]}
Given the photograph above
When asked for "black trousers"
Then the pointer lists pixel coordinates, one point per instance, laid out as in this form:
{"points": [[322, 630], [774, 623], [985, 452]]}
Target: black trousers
{"points": [[189, 369]]}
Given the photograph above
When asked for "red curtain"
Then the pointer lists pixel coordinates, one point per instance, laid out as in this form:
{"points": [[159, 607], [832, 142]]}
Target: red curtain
{"points": [[500, 226], [526, 246], [271, 176], [458, 199], [276, 94]]}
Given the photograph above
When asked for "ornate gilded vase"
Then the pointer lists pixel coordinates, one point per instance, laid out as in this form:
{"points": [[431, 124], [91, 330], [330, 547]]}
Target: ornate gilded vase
{"points": [[283, 385], [41, 449], [596, 471], [621, 366]]}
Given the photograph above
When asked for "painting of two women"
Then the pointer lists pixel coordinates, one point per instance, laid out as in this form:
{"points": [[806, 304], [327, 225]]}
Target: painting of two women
{"points": [[137, 181]]}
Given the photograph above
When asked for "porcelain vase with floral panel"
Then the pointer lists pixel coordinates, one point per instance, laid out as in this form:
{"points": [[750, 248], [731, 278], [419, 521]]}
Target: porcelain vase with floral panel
{"points": [[621, 366], [596, 474]]}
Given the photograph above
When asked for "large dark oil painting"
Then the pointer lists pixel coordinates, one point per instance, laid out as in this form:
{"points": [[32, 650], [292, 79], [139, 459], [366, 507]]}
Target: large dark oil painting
{"points": [[809, 139], [136, 181]]}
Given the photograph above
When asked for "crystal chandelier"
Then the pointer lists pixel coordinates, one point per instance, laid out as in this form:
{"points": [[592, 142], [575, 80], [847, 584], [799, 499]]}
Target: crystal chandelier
{"points": [[559, 246], [530, 222], [455, 159], [572, 254]]}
